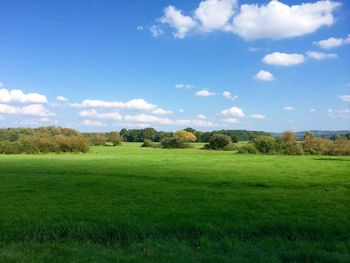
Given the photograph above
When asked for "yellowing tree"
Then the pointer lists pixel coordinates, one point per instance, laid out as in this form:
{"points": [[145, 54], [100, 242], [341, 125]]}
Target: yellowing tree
{"points": [[185, 136]]}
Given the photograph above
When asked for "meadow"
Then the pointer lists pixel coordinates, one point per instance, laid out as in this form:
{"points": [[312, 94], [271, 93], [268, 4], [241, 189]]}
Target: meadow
{"points": [[133, 204]]}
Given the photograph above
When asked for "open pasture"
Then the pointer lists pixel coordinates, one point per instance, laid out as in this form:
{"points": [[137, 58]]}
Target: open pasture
{"points": [[132, 204]]}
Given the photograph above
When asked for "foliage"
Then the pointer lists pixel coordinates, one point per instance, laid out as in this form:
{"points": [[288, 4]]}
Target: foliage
{"points": [[185, 136], [289, 145], [219, 142], [248, 148], [266, 144], [42, 140], [115, 138], [147, 143]]}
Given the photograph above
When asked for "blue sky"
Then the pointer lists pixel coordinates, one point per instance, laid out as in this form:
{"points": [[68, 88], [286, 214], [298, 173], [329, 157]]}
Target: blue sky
{"points": [[105, 65]]}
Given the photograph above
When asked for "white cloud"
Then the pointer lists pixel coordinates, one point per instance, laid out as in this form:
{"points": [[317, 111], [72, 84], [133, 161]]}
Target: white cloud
{"points": [[175, 19], [139, 28], [145, 118], [320, 55], [283, 59], [93, 123], [263, 75], [230, 121], [312, 110], [332, 42], [160, 111], [274, 20], [94, 114], [233, 111], [17, 96], [181, 110], [339, 113], [135, 104], [229, 96], [184, 86], [277, 20], [214, 14], [33, 109], [61, 98], [258, 116], [288, 108], [156, 30], [204, 93], [345, 98], [201, 117]]}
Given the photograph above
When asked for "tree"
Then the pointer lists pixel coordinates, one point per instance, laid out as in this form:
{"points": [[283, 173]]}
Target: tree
{"points": [[185, 136]]}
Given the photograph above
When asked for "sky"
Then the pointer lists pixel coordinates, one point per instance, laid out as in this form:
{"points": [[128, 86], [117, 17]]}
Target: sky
{"points": [[102, 65]]}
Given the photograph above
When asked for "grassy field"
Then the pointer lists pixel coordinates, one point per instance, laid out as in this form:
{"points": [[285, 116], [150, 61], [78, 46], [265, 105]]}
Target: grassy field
{"points": [[133, 204]]}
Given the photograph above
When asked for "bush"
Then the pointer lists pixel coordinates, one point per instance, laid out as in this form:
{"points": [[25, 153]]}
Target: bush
{"points": [[266, 144], [115, 138], [7, 147], [72, 143], [219, 142], [172, 142], [230, 147], [338, 148], [248, 148], [288, 144], [147, 143]]}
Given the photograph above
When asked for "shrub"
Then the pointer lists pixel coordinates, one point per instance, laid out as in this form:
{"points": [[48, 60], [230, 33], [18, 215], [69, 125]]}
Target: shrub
{"points": [[98, 139], [248, 148], [147, 143], [219, 142], [7, 147], [315, 146], [266, 144], [72, 143], [338, 147], [288, 144], [172, 142], [115, 138], [230, 147]]}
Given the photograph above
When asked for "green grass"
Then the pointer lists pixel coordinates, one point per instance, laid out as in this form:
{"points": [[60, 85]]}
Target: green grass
{"points": [[133, 204]]}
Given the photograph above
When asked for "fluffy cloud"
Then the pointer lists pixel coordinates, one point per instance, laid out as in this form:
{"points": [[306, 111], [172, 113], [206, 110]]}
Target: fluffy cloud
{"points": [[320, 55], [156, 30], [263, 75], [146, 118], [214, 14], [61, 98], [277, 20], [135, 104], [175, 19], [94, 114], [18, 96], [160, 111], [283, 59], [312, 110], [229, 96], [258, 116], [93, 123], [333, 42], [339, 114], [288, 108], [184, 86], [230, 121], [345, 98], [204, 93], [33, 110], [233, 111]]}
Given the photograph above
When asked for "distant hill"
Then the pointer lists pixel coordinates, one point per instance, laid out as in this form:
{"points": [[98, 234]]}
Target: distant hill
{"points": [[318, 133]]}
